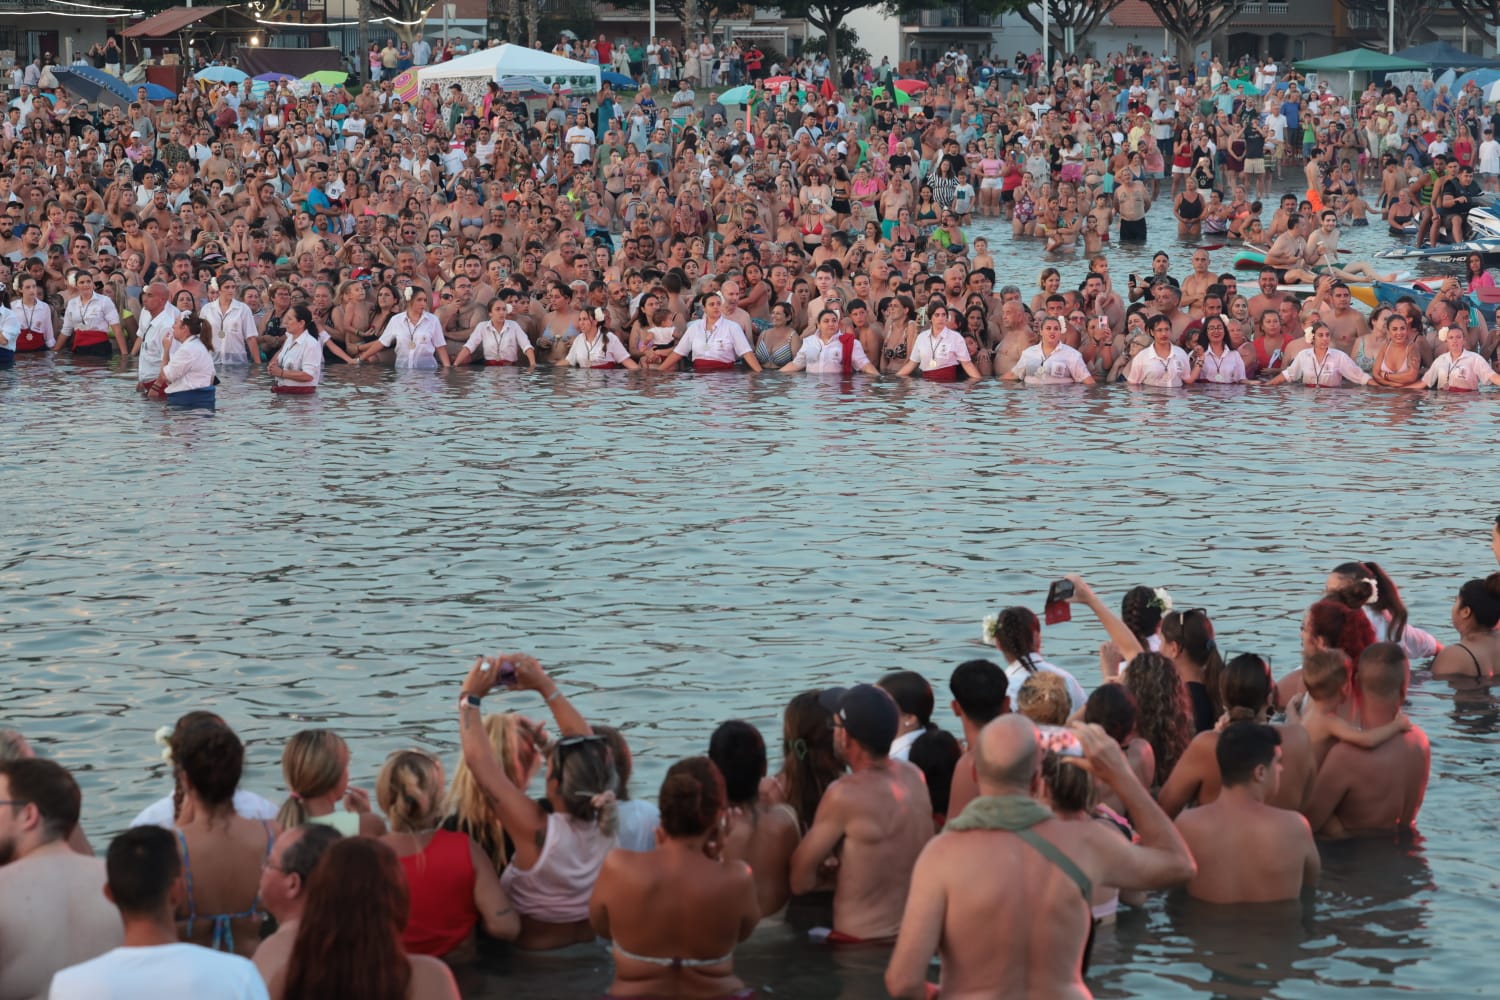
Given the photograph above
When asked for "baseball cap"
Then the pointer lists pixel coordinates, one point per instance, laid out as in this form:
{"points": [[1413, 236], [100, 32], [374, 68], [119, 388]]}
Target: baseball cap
{"points": [[868, 714], [135, 135]]}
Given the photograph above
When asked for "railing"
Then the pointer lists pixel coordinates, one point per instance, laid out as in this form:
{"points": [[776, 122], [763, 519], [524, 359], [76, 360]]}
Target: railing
{"points": [[948, 17]]}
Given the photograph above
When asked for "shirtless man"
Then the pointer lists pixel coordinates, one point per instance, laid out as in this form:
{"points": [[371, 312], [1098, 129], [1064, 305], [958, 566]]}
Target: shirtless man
{"points": [[880, 812], [1323, 252], [1345, 324], [1248, 851], [1007, 845], [1268, 298], [980, 695], [283, 891], [1167, 299], [730, 289], [1288, 253], [1132, 203], [896, 196], [1373, 793], [53, 913], [1015, 336], [1196, 284]]}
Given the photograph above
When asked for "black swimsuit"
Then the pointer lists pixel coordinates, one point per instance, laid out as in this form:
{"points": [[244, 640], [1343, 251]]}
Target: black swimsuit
{"points": [[1478, 670]]}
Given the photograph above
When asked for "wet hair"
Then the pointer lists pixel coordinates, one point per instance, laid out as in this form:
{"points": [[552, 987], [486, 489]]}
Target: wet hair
{"points": [[623, 760], [584, 771], [935, 753], [1043, 699], [1326, 673], [1340, 627], [980, 688], [140, 867], [911, 693], [1482, 598], [1016, 630], [1193, 633], [811, 764], [692, 797], [1242, 747], [518, 743], [1245, 687], [1366, 580], [1140, 613], [739, 752], [313, 841], [1383, 670], [312, 764], [1070, 788], [47, 785], [208, 756], [1165, 715], [349, 938], [409, 790], [1112, 707]]}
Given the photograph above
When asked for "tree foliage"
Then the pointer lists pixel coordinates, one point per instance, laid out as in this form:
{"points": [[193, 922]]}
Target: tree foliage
{"points": [[1083, 16], [408, 19], [1191, 22], [1481, 15], [697, 17], [1411, 16], [828, 16]]}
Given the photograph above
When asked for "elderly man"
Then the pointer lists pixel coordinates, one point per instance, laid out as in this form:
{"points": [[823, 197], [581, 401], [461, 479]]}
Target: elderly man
{"points": [[283, 892], [158, 316], [52, 913]]}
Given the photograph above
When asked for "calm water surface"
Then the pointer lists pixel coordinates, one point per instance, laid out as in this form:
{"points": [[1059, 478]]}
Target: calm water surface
{"points": [[684, 550]]}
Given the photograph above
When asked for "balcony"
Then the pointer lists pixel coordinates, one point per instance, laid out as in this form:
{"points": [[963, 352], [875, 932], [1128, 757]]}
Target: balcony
{"points": [[950, 18]]}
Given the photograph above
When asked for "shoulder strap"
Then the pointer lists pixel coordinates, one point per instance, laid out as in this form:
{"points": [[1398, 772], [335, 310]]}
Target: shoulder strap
{"points": [[1054, 854]]}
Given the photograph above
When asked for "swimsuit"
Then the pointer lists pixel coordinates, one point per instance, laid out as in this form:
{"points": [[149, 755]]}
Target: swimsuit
{"points": [[781, 356], [1478, 670], [675, 963], [223, 929]]}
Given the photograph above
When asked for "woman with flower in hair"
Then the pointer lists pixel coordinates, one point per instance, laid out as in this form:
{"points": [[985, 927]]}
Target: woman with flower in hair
{"points": [[416, 334], [596, 347], [1364, 585], [1135, 630], [163, 811], [1017, 634]]}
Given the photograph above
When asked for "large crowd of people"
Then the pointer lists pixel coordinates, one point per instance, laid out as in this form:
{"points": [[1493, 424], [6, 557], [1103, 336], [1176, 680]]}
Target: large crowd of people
{"points": [[1178, 769], [820, 224]]}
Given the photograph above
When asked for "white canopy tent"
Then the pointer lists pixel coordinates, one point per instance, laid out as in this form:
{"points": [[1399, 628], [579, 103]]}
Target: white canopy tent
{"points": [[508, 60]]}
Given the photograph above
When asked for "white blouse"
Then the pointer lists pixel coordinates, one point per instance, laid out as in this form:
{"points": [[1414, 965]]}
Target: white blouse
{"points": [[1150, 368], [189, 367], [1467, 371], [1329, 372], [416, 343]]}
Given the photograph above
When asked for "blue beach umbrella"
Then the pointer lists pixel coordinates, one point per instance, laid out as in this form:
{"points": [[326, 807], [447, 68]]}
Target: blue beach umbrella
{"points": [[737, 95], [221, 74], [619, 81]]}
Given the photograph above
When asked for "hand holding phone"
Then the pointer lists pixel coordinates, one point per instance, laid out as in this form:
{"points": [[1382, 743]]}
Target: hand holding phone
{"points": [[1057, 609], [1060, 740]]}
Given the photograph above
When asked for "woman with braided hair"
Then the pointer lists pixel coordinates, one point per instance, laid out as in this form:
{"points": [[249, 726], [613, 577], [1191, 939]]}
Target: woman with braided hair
{"points": [[1245, 687], [1017, 634], [1137, 628]]}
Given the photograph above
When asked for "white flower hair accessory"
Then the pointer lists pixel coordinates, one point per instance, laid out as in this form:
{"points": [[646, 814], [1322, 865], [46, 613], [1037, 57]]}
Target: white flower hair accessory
{"points": [[988, 627], [1161, 600], [164, 740], [1374, 591]]}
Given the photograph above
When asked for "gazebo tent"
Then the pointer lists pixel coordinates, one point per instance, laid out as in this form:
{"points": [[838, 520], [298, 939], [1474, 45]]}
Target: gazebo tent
{"points": [[1441, 55], [504, 61], [1354, 61]]}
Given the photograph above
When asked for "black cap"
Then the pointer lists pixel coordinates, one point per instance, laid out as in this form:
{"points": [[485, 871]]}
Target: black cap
{"points": [[867, 713]]}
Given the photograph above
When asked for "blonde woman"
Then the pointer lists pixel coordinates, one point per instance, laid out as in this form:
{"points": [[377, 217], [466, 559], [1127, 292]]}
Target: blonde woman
{"points": [[453, 886], [519, 743], [315, 766]]}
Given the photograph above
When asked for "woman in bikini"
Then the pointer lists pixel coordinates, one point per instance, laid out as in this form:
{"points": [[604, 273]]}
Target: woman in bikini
{"points": [[779, 344], [897, 334], [1371, 345], [675, 914], [1399, 363], [1476, 611], [1266, 352]]}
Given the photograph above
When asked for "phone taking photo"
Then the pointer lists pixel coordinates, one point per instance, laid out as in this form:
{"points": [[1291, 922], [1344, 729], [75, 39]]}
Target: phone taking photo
{"points": [[1060, 740], [1058, 609]]}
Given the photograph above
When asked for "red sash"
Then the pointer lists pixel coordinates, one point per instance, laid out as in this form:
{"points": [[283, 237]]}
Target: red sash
{"points": [[30, 340], [609, 364], [948, 374], [705, 365], [294, 390], [847, 340], [89, 338], [1453, 388], [498, 364]]}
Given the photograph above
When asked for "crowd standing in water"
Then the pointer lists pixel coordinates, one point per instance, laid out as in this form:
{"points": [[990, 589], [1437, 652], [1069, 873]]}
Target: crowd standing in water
{"points": [[1178, 769], [818, 227]]}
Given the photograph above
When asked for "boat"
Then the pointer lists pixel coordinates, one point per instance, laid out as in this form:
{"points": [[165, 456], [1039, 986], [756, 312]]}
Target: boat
{"points": [[1447, 253], [1485, 221], [1388, 293]]}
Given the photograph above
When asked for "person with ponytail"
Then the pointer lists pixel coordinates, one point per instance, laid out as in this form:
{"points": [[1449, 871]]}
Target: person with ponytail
{"points": [[1476, 611], [1327, 624], [315, 765], [595, 346], [559, 849], [675, 915], [1364, 585], [1137, 628], [453, 887], [763, 836], [188, 368], [913, 696], [520, 744], [809, 762], [1245, 690], [1017, 633], [1187, 638]]}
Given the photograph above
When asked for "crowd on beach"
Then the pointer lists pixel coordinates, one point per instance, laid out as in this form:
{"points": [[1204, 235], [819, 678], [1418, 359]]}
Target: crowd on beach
{"points": [[817, 225], [1178, 769]]}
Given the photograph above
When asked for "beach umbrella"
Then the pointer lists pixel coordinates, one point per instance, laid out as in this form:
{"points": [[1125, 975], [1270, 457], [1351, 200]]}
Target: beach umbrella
{"points": [[737, 95], [327, 77], [778, 81], [911, 86], [619, 81], [525, 85], [404, 86], [221, 74], [902, 97], [1481, 78], [273, 77], [1243, 86], [1491, 91]]}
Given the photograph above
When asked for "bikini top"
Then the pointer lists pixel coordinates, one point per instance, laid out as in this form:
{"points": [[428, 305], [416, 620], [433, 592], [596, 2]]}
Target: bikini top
{"points": [[223, 923], [675, 963]]}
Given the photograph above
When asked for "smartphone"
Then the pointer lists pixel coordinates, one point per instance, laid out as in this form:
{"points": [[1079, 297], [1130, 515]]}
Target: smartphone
{"points": [[1057, 609], [1134, 280], [1060, 740], [505, 675]]}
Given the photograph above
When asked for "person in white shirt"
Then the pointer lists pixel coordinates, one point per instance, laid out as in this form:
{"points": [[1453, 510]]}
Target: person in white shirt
{"points": [[158, 316], [37, 332], [596, 347], [298, 366], [90, 320], [145, 882], [1163, 364], [189, 368], [416, 334], [831, 352], [1051, 362], [713, 343], [939, 351], [1322, 364], [1215, 361], [499, 340], [1459, 370], [232, 325], [581, 139], [10, 336]]}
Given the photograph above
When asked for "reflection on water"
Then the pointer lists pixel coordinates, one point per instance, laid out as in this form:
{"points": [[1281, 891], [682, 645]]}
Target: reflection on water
{"points": [[682, 550]]}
